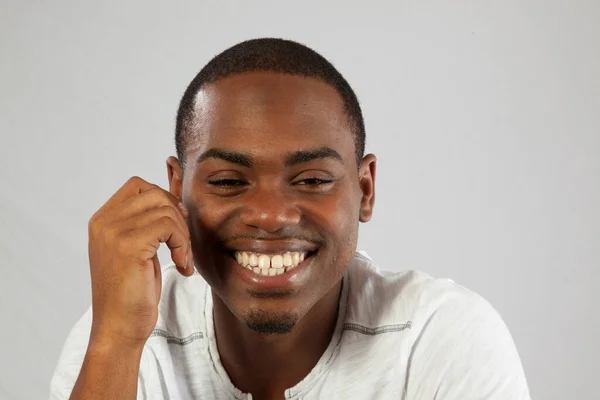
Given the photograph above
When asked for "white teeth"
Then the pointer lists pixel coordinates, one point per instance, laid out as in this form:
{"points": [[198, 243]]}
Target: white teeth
{"points": [[269, 265], [277, 261], [264, 261], [253, 260]]}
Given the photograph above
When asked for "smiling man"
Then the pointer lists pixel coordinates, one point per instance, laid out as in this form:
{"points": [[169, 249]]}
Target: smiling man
{"points": [[268, 298]]}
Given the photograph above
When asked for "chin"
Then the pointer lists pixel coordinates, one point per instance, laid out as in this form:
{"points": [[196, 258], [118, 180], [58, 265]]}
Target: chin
{"points": [[270, 323]]}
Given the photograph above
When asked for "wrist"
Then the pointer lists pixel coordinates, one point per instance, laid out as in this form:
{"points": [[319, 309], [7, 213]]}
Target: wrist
{"points": [[107, 345]]}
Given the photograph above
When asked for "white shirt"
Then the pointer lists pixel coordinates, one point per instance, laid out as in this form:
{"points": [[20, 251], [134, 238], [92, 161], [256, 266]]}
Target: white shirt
{"points": [[398, 336]]}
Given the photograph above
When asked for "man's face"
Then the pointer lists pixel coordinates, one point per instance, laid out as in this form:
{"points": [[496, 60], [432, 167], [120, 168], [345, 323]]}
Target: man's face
{"points": [[271, 178]]}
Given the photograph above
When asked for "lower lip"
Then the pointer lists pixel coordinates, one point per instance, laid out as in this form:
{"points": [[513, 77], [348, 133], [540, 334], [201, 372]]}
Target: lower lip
{"points": [[285, 281]]}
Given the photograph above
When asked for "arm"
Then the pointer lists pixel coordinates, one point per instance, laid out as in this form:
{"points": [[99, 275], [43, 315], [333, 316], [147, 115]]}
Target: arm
{"points": [[109, 371], [124, 236]]}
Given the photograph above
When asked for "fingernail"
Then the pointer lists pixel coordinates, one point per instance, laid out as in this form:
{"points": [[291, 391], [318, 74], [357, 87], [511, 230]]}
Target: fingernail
{"points": [[191, 260]]}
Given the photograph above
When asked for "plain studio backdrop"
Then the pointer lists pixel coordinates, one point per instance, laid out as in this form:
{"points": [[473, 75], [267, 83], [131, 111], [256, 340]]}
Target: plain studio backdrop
{"points": [[485, 117]]}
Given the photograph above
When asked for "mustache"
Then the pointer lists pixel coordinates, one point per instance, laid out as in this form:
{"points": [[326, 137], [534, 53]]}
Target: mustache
{"points": [[261, 237]]}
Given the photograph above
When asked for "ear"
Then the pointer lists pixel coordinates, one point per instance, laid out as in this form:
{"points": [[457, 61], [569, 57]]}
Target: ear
{"points": [[175, 174], [366, 181]]}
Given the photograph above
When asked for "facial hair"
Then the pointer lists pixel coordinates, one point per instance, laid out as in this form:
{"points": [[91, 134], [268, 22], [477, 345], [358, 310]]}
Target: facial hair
{"points": [[269, 323]]}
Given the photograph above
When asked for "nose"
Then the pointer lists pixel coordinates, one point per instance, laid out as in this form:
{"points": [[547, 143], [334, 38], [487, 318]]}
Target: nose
{"points": [[269, 210]]}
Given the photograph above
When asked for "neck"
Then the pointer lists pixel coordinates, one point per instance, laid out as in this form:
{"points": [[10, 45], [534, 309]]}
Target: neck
{"points": [[267, 365]]}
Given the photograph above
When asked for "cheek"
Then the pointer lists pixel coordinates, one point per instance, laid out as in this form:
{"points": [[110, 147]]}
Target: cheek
{"points": [[206, 219], [339, 215], [209, 211], [345, 212]]}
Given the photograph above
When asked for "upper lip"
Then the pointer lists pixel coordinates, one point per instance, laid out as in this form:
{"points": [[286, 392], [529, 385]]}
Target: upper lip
{"points": [[270, 246]]}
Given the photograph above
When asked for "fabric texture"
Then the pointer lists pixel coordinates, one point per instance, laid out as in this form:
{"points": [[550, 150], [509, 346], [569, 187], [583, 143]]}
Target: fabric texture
{"points": [[398, 336]]}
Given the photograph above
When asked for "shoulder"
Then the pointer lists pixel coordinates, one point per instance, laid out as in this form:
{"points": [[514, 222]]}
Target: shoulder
{"points": [[456, 344], [71, 358], [182, 304], [380, 298]]}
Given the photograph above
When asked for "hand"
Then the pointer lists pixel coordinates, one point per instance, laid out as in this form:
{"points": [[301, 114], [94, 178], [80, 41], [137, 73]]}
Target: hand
{"points": [[124, 237]]}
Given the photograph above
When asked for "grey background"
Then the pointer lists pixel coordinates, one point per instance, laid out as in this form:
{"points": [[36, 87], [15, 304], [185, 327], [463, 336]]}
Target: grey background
{"points": [[484, 116]]}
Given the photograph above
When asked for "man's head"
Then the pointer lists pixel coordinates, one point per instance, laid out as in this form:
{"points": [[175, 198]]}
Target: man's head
{"points": [[274, 56], [268, 139]]}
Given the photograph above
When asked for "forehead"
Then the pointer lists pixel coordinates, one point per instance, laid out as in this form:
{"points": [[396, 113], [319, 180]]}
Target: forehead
{"points": [[260, 111]]}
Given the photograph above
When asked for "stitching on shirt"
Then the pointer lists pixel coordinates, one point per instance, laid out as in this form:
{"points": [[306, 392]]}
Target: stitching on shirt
{"points": [[176, 340], [377, 331], [357, 254]]}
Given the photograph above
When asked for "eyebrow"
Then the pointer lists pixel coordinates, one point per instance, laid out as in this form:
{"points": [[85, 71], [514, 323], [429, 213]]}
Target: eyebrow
{"points": [[229, 156], [295, 158], [305, 156]]}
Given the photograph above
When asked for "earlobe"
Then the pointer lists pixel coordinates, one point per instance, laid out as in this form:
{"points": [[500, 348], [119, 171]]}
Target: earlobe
{"points": [[366, 182], [175, 176]]}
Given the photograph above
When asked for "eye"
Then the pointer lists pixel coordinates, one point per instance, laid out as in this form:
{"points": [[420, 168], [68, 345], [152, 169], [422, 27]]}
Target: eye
{"points": [[314, 182], [227, 183]]}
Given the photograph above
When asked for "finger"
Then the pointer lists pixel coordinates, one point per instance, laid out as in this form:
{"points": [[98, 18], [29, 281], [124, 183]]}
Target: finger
{"points": [[145, 219], [151, 199], [157, 277], [189, 269], [148, 238], [134, 186]]}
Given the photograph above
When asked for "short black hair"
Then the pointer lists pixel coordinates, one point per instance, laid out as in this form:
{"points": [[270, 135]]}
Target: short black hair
{"points": [[270, 55]]}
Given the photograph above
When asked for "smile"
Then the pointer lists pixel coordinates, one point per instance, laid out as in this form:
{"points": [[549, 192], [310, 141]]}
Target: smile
{"points": [[270, 264]]}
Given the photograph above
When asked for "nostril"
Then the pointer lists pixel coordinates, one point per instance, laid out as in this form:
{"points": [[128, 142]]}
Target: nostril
{"points": [[271, 215]]}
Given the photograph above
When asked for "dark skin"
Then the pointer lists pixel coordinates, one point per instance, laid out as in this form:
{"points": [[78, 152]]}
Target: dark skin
{"points": [[258, 192]]}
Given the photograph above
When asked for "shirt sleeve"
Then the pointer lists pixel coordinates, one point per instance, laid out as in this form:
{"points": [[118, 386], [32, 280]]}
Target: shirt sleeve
{"points": [[71, 359], [465, 352]]}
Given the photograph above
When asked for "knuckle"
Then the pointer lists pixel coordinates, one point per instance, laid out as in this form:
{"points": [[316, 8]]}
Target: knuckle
{"points": [[170, 211], [92, 224], [165, 220], [134, 180], [175, 218], [165, 195], [155, 192], [95, 224], [169, 223]]}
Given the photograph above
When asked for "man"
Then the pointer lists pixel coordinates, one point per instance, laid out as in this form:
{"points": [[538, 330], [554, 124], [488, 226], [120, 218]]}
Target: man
{"points": [[268, 298]]}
